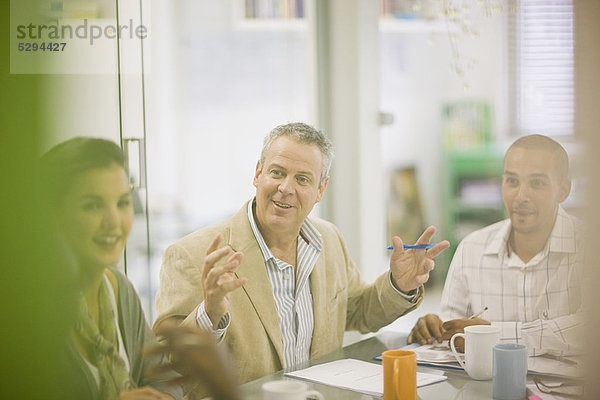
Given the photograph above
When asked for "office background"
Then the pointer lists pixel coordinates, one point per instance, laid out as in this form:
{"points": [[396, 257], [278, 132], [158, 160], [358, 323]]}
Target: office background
{"points": [[410, 92], [35, 278]]}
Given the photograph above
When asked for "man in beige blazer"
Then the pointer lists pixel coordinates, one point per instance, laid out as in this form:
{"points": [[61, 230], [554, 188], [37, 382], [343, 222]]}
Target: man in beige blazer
{"points": [[283, 288]]}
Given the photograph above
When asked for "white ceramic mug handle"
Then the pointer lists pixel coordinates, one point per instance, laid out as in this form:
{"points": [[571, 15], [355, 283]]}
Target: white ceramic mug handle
{"points": [[315, 394], [458, 358]]}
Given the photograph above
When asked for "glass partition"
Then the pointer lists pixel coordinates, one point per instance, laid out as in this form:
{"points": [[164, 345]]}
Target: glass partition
{"points": [[218, 77]]}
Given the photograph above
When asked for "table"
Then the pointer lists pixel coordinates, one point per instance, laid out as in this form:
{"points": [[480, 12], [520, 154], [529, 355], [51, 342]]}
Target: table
{"points": [[458, 385]]}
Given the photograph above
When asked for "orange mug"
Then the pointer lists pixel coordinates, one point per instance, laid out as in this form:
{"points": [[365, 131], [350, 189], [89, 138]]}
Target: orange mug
{"points": [[399, 375]]}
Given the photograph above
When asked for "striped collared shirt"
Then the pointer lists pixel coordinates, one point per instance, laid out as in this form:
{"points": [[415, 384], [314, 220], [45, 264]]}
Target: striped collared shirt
{"points": [[293, 297], [535, 302]]}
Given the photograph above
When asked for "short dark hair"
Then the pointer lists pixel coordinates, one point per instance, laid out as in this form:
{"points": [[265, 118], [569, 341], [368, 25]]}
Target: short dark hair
{"points": [[541, 142], [60, 165]]}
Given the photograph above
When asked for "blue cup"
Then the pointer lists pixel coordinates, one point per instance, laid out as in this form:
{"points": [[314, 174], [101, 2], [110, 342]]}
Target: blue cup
{"points": [[509, 371]]}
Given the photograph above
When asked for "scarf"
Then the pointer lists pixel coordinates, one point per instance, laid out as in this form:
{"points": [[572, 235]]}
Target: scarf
{"points": [[100, 344]]}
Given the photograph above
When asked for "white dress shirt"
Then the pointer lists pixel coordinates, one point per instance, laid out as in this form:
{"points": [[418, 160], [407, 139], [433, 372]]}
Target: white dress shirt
{"points": [[537, 303], [292, 294]]}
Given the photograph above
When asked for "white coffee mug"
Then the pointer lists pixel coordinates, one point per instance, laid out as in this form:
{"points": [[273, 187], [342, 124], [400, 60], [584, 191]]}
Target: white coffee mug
{"points": [[289, 390], [479, 350]]}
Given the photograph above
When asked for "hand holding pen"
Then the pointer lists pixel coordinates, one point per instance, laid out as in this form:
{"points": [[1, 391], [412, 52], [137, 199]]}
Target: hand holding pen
{"points": [[479, 313], [458, 325], [410, 269], [414, 246], [430, 327]]}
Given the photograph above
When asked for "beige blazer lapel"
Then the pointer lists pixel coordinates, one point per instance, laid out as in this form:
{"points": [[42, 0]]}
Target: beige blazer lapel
{"points": [[318, 285], [258, 288]]}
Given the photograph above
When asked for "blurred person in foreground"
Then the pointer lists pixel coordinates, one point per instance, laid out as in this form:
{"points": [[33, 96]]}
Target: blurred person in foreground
{"points": [[36, 289], [277, 286], [194, 353], [527, 270], [88, 188]]}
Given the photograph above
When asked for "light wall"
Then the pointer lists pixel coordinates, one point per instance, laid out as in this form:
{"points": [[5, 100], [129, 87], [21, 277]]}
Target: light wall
{"points": [[203, 143], [416, 82], [228, 86]]}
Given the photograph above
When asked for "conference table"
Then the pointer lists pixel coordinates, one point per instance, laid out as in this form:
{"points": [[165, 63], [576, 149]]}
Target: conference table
{"points": [[457, 386]]}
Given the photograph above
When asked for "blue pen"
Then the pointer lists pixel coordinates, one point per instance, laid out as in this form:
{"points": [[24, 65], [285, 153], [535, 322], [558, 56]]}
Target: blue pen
{"points": [[415, 246]]}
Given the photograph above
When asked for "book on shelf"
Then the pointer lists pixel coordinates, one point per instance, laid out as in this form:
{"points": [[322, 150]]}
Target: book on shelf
{"points": [[274, 9]]}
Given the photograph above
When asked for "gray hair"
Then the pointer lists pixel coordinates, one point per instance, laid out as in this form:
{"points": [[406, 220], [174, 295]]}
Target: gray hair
{"points": [[305, 134]]}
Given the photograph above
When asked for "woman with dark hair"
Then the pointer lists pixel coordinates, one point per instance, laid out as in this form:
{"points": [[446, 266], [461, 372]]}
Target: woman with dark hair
{"points": [[87, 183]]}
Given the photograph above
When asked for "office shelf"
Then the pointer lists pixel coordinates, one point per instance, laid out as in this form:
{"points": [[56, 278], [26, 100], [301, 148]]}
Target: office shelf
{"points": [[473, 192], [271, 15]]}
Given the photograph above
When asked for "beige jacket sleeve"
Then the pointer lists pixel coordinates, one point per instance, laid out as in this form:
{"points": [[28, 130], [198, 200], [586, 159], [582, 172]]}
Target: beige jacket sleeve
{"points": [[341, 301]]}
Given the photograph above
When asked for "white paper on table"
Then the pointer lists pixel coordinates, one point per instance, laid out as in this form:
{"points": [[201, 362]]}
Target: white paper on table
{"points": [[359, 376], [440, 355], [435, 353], [547, 366]]}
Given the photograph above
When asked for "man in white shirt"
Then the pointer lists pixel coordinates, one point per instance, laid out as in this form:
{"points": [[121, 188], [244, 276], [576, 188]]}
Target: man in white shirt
{"points": [[277, 286], [523, 274]]}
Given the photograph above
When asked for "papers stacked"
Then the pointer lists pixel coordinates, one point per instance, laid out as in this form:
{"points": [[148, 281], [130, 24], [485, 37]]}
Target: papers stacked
{"points": [[434, 355], [439, 355]]}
